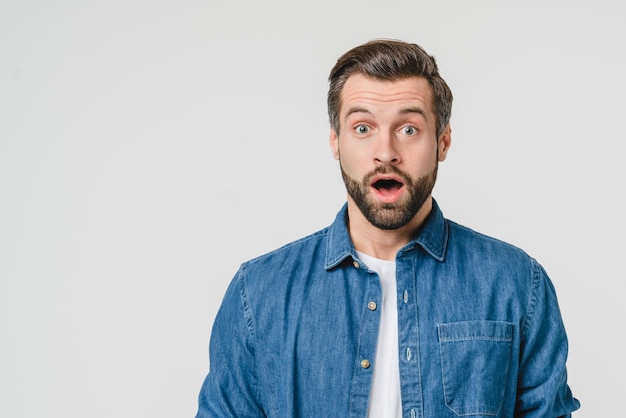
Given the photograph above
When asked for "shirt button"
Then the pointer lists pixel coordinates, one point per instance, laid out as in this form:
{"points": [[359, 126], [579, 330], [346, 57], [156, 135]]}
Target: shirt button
{"points": [[365, 364], [371, 306], [356, 264]]}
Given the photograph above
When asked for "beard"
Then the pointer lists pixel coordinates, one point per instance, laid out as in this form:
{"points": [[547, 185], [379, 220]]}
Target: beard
{"points": [[390, 216]]}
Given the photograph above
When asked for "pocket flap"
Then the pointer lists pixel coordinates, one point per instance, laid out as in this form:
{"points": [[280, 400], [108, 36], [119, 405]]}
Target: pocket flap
{"points": [[475, 330]]}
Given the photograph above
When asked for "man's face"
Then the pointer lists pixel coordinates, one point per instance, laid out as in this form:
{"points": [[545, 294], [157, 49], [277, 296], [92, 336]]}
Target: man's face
{"points": [[388, 148]]}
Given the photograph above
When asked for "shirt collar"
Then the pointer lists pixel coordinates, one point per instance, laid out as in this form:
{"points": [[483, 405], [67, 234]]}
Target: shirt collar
{"points": [[433, 238]]}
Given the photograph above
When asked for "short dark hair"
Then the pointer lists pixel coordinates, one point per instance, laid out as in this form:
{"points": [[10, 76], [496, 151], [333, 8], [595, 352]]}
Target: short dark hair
{"points": [[389, 60]]}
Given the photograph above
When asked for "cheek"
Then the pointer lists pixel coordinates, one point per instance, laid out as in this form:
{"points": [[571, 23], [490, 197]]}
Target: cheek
{"points": [[351, 158], [423, 164], [347, 164], [355, 170]]}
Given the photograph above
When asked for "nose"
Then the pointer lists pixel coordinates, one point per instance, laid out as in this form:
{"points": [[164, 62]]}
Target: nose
{"points": [[386, 149]]}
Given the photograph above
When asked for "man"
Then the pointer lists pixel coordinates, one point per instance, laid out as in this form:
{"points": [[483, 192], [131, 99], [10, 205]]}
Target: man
{"points": [[393, 310]]}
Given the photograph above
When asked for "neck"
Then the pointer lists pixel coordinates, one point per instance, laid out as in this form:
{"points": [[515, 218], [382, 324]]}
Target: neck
{"points": [[381, 243]]}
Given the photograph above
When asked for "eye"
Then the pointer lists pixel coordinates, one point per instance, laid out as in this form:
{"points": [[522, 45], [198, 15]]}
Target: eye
{"points": [[409, 130], [362, 129]]}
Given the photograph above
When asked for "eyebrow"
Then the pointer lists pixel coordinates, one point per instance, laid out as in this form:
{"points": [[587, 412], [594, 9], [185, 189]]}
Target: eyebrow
{"points": [[357, 109], [417, 110], [407, 110]]}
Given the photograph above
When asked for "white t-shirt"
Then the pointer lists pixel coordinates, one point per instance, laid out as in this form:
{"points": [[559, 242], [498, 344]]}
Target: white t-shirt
{"points": [[385, 400]]}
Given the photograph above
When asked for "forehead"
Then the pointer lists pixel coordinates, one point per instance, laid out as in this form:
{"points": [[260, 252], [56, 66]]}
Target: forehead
{"points": [[360, 90]]}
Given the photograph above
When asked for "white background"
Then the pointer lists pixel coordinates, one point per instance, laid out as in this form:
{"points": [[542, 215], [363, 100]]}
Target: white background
{"points": [[147, 148]]}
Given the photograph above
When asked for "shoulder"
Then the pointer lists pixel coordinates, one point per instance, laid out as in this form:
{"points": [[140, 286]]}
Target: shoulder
{"points": [[273, 271], [481, 249], [468, 237], [271, 282]]}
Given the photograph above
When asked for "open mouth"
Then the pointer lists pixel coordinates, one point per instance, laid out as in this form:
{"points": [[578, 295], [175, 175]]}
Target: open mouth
{"points": [[387, 187]]}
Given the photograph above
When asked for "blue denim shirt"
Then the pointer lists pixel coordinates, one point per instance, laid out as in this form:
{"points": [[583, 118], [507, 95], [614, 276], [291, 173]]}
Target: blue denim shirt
{"points": [[479, 331]]}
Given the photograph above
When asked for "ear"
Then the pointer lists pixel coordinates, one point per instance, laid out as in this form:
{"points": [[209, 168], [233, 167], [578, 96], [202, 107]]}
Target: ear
{"points": [[333, 140], [443, 143]]}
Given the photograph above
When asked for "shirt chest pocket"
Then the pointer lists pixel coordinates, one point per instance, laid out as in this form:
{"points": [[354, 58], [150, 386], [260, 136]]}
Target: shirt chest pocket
{"points": [[475, 357]]}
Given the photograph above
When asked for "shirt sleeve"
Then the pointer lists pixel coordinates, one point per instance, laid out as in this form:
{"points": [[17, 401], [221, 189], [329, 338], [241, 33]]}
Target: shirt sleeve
{"points": [[231, 386], [542, 385]]}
